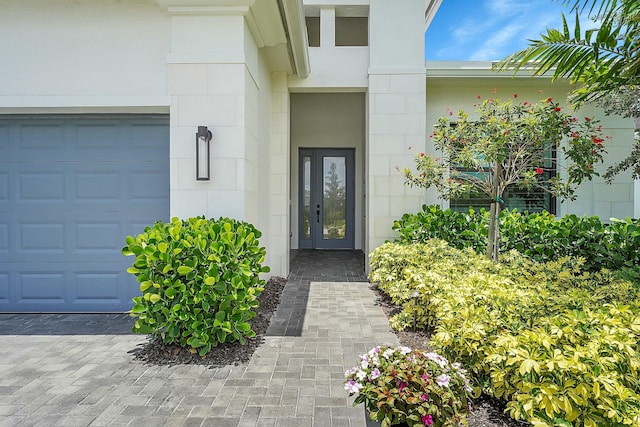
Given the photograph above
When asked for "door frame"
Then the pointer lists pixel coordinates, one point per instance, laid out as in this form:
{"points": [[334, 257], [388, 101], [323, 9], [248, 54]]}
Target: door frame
{"points": [[316, 176]]}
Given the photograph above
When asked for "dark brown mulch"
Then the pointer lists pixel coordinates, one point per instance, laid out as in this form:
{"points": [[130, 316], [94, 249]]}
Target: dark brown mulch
{"points": [[156, 352], [486, 412]]}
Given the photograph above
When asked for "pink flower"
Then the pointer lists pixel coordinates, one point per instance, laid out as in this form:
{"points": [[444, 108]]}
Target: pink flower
{"points": [[424, 397], [375, 373], [427, 420], [443, 380], [352, 387]]}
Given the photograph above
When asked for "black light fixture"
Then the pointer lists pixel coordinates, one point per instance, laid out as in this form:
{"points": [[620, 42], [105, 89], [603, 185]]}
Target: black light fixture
{"points": [[203, 151]]}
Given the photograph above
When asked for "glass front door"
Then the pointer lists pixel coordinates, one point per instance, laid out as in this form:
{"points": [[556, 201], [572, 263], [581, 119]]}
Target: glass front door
{"points": [[326, 198]]}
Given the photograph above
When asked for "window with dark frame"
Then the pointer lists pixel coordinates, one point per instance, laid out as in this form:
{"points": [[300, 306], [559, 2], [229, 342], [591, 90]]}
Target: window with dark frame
{"points": [[531, 201]]}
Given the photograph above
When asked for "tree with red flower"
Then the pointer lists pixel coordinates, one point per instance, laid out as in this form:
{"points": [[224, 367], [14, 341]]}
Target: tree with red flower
{"points": [[509, 144]]}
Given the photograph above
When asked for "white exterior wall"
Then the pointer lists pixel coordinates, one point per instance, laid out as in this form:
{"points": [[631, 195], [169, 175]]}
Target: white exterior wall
{"points": [[226, 84], [448, 94], [396, 113], [333, 67], [279, 191], [89, 56], [203, 66]]}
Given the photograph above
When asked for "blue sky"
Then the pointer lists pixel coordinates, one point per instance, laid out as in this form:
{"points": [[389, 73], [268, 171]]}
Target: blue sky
{"points": [[486, 30]]}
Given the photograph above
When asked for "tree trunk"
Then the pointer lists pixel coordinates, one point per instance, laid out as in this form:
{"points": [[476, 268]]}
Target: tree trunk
{"points": [[492, 227], [493, 239]]}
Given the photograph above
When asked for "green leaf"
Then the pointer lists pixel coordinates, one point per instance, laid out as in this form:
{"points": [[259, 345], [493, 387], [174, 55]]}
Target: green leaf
{"points": [[145, 285], [184, 270], [138, 308], [154, 298], [244, 327]]}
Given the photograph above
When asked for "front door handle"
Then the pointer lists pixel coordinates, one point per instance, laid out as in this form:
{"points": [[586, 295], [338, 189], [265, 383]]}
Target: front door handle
{"points": [[318, 214]]}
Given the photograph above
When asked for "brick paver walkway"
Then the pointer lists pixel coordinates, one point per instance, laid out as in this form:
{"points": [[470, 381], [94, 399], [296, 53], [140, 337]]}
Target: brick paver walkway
{"points": [[294, 379]]}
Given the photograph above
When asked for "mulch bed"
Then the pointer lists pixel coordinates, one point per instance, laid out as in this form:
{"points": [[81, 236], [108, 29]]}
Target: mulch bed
{"points": [[157, 352], [485, 413]]}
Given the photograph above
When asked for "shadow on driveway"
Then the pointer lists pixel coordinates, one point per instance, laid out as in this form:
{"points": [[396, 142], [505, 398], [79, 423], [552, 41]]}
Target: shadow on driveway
{"points": [[66, 324]]}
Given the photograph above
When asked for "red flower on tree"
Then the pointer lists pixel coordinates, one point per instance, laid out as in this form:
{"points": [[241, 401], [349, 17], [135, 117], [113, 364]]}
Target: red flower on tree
{"points": [[539, 171]]}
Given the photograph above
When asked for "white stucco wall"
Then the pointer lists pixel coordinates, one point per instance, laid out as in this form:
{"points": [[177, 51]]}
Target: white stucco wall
{"points": [[446, 95], [396, 113], [83, 54], [333, 67], [279, 183], [230, 91]]}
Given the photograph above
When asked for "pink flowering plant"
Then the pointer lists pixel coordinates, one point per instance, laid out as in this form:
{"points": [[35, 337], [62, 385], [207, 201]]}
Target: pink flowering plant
{"points": [[401, 385]]}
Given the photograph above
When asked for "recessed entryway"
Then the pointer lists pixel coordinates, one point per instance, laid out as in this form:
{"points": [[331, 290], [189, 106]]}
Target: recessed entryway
{"points": [[327, 170]]}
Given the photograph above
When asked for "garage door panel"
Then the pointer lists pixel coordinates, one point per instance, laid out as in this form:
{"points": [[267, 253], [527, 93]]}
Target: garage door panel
{"points": [[4, 238], [42, 238], [98, 138], [4, 288], [73, 235], [38, 141], [41, 286], [67, 203], [97, 236], [144, 187], [146, 140], [41, 187], [97, 185], [4, 139]]}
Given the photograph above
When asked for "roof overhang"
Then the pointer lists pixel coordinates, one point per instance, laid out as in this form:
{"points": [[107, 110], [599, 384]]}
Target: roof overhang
{"points": [[431, 7], [479, 69], [277, 25]]}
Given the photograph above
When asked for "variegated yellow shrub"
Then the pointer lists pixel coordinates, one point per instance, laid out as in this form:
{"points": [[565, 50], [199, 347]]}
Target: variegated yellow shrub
{"points": [[558, 344]]}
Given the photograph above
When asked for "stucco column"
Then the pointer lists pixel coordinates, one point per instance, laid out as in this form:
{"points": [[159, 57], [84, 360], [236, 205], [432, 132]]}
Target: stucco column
{"points": [[397, 113], [327, 26], [211, 70], [280, 193]]}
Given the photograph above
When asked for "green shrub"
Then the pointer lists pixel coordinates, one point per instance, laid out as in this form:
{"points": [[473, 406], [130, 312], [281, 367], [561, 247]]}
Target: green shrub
{"points": [[540, 236], [559, 344], [199, 280]]}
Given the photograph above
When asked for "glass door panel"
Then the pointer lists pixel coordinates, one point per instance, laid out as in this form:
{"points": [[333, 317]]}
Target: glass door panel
{"points": [[334, 201], [327, 194], [306, 197]]}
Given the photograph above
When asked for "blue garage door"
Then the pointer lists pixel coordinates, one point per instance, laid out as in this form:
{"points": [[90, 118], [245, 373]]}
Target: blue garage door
{"points": [[71, 190]]}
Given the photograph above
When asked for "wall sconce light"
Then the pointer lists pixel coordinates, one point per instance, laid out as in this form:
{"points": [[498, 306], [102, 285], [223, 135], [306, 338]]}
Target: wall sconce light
{"points": [[203, 154]]}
